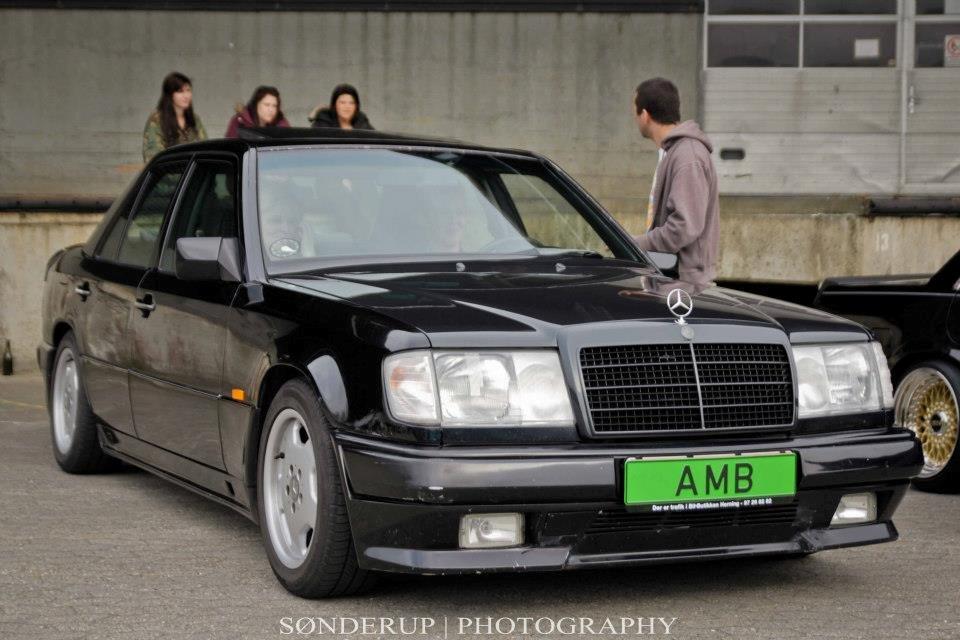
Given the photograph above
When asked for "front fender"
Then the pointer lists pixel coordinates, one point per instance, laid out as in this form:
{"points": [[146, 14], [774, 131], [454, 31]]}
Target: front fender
{"points": [[328, 379]]}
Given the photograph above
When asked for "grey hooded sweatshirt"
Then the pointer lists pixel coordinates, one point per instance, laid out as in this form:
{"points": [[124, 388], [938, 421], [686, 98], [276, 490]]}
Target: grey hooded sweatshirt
{"points": [[686, 220]]}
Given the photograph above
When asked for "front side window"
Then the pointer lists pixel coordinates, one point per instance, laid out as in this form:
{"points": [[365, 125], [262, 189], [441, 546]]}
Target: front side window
{"points": [[207, 208], [348, 205], [142, 233]]}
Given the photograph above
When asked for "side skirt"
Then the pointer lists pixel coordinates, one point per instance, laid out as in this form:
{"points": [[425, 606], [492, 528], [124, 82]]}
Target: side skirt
{"points": [[201, 479]]}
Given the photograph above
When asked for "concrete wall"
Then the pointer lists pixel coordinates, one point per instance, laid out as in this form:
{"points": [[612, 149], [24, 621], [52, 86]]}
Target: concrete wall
{"points": [[26, 243], [807, 247], [776, 246], [76, 86]]}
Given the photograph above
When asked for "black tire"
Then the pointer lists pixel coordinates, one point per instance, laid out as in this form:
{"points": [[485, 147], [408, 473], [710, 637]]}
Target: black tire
{"points": [[330, 567], [947, 480], [84, 454]]}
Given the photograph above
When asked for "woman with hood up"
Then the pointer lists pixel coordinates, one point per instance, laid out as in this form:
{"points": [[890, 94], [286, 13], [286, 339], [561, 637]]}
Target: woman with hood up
{"points": [[343, 112], [262, 110]]}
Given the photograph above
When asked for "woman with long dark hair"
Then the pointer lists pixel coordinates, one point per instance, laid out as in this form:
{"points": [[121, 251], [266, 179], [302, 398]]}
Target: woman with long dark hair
{"points": [[343, 112], [262, 110], [174, 121]]}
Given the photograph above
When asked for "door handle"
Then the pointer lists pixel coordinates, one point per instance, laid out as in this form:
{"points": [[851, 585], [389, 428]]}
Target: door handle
{"points": [[145, 304], [82, 290]]}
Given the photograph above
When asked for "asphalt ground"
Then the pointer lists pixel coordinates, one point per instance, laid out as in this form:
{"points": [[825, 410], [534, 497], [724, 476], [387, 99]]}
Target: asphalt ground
{"points": [[131, 556]]}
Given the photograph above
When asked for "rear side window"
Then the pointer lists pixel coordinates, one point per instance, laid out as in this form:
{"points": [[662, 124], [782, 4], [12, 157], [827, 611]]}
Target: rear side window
{"points": [[114, 216], [207, 208], [109, 248], [142, 233]]}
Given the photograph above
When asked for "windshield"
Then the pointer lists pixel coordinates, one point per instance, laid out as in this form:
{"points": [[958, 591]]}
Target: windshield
{"points": [[328, 206]]}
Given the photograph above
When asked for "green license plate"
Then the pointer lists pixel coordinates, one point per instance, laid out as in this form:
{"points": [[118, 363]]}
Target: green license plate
{"points": [[727, 481]]}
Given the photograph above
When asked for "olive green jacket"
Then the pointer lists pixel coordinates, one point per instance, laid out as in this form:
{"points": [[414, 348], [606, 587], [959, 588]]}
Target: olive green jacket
{"points": [[153, 135]]}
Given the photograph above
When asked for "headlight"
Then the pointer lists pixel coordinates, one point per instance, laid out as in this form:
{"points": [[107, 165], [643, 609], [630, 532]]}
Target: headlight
{"points": [[411, 387], [451, 388], [836, 379]]}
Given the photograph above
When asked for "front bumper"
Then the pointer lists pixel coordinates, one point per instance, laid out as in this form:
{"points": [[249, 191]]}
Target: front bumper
{"points": [[405, 502]]}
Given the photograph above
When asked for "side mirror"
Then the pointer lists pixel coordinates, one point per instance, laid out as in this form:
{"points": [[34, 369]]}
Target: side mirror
{"points": [[208, 259], [666, 262]]}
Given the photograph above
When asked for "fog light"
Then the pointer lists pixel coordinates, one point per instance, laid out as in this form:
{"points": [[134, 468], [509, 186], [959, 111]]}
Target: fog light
{"points": [[489, 530], [855, 508]]}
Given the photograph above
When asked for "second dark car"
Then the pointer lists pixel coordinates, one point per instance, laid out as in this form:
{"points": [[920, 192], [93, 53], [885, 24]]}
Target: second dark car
{"points": [[412, 355], [917, 320]]}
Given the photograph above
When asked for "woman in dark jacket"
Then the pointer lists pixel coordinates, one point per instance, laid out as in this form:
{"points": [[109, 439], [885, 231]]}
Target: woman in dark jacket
{"points": [[343, 112], [263, 110]]}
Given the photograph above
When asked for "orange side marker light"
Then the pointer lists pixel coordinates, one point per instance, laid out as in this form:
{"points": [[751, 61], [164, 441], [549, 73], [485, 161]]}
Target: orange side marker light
{"points": [[238, 394]]}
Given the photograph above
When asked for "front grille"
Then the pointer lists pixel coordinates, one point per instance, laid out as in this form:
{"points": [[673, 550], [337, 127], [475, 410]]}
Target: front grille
{"points": [[669, 387], [622, 521]]}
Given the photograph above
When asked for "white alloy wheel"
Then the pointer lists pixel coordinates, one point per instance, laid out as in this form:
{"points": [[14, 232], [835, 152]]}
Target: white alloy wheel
{"points": [[66, 395], [290, 488]]}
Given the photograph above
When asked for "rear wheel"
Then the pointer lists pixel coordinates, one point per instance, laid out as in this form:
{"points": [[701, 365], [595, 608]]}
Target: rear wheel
{"points": [[926, 403], [303, 515], [73, 427]]}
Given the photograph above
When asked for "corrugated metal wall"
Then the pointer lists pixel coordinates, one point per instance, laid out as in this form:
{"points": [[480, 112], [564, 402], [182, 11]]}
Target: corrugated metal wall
{"points": [[844, 129], [805, 131], [933, 129]]}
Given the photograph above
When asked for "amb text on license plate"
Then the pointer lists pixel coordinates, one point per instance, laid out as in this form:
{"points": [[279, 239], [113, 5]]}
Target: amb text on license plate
{"points": [[660, 481]]}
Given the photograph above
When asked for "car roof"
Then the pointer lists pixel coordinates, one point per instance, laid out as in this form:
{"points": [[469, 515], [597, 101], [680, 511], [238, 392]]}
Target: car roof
{"points": [[301, 136]]}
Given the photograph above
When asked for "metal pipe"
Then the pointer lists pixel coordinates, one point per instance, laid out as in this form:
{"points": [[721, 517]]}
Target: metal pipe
{"points": [[512, 6], [913, 206], [55, 204]]}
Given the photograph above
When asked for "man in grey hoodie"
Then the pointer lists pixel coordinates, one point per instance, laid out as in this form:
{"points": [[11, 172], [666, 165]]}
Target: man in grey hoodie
{"points": [[684, 200]]}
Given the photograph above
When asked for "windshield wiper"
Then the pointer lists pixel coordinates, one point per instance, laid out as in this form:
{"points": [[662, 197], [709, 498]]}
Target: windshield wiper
{"points": [[575, 253]]}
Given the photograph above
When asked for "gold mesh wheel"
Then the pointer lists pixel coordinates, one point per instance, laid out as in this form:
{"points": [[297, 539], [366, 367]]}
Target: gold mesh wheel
{"points": [[926, 404]]}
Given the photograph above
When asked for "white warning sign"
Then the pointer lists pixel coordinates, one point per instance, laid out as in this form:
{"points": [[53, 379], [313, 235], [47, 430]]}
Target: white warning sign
{"points": [[951, 51]]}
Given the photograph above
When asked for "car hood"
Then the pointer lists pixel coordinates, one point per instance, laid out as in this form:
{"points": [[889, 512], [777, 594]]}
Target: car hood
{"points": [[544, 297]]}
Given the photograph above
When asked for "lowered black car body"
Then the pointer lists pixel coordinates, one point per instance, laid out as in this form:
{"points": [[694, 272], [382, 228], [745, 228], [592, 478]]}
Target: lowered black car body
{"points": [[917, 319], [186, 364]]}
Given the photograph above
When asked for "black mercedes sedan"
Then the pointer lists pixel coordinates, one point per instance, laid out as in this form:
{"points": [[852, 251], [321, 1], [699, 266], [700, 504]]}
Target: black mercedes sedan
{"points": [[413, 355], [917, 320]]}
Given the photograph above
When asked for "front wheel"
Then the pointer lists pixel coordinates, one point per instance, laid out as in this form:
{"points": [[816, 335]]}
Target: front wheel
{"points": [[926, 403], [303, 516]]}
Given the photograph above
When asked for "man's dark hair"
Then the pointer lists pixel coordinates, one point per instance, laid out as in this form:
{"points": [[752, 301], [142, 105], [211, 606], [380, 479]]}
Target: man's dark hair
{"points": [[660, 98]]}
